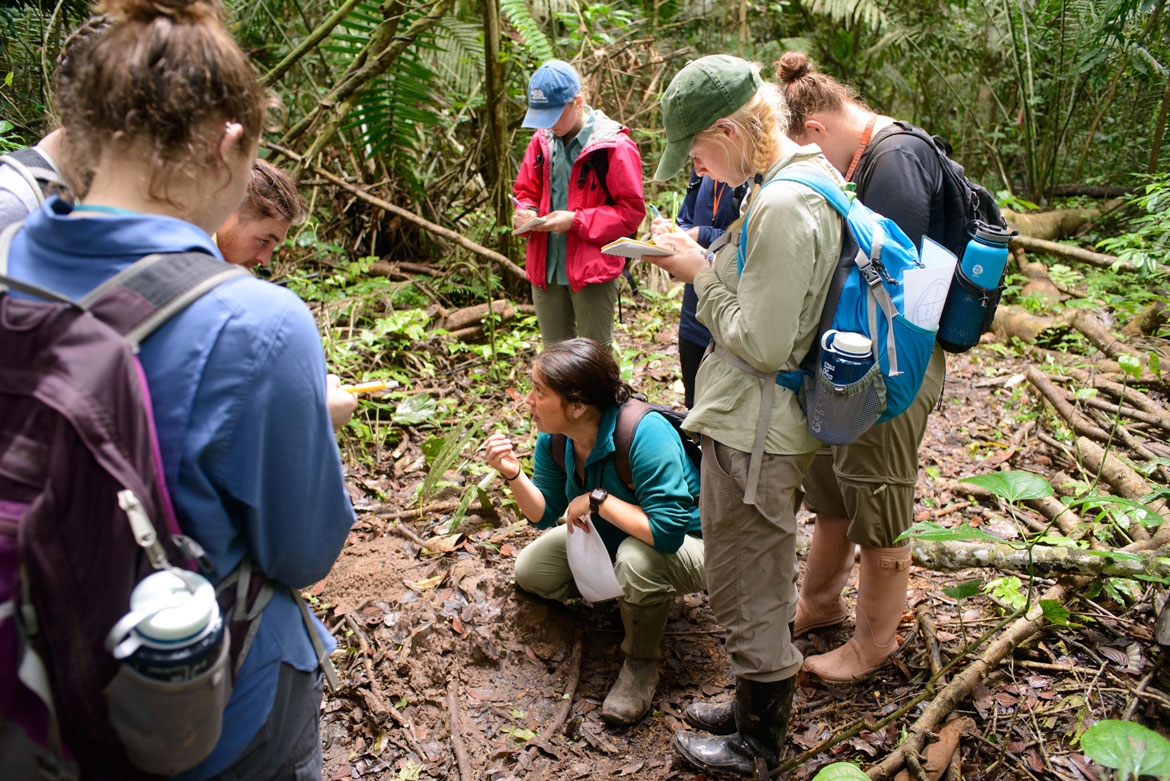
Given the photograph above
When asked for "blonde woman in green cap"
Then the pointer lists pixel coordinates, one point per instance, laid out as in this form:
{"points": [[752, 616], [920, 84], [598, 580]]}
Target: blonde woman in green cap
{"points": [[760, 293]]}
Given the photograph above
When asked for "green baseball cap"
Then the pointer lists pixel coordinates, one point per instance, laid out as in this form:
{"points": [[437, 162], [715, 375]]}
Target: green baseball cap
{"points": [[705, 90]]}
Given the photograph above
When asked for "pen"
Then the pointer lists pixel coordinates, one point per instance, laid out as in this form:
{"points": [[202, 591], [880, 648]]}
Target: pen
{"points": [[516, 201], [658, 216], [366, 387]]}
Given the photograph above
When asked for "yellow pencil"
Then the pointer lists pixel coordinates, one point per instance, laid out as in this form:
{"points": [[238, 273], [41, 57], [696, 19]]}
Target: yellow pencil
{"points": [[366, 387]]}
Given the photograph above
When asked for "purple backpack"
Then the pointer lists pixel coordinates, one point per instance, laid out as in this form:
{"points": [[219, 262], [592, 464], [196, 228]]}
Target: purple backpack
{"points": [[76, 427]]}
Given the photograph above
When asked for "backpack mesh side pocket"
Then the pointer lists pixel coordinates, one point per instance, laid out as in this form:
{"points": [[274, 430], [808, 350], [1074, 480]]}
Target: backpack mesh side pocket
{"points": [[839, 414], [967, 314]]}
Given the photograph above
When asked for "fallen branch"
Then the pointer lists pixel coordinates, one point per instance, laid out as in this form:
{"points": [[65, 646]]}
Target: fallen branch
{"points": [[439, 230], [1043, 246], [1057, 399], [1067, 521], [1125, 480], [1096, 332], [1125, 393], [461, 758], [1047, 560], [462, 318], [962, 686]]}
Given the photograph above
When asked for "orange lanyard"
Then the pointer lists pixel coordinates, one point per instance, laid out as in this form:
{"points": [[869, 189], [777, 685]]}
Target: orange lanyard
{"points": [[861, 147], [717, 194]]}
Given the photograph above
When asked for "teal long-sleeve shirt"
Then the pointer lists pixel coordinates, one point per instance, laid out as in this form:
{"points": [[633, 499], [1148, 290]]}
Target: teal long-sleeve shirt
{"points": [[666, 483]]}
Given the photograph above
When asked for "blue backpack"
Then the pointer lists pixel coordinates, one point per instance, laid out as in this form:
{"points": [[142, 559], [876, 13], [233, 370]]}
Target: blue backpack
{"points": [[865, 296]]}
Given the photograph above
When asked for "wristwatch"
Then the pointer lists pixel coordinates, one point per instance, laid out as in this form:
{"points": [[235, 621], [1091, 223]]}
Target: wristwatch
{"points": [[596, 497]]}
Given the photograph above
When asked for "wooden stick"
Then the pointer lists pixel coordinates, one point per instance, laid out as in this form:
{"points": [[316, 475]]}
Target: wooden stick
{"points": [[566, 706], [461, 758], [962, 685]]}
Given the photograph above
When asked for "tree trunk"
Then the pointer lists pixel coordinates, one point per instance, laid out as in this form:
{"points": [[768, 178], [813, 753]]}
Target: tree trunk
{"points": [[1011, 320], [499, 163], [1052, 224]]}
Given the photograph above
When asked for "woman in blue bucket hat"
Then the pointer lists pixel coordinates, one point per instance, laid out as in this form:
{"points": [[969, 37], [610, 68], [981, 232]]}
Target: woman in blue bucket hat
{"points": [[760, 292]]}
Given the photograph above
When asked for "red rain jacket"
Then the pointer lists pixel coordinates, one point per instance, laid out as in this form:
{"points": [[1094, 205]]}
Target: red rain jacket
{"points": [[594, 223]]}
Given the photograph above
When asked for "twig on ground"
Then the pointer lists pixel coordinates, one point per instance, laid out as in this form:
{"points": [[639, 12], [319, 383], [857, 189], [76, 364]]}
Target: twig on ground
{"points": [[461, 758], [542, 742]]}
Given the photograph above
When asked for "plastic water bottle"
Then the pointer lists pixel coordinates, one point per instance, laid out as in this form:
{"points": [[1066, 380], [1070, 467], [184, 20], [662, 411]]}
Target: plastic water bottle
{"points": [[986, 255], [174, 631], [846, 356]]}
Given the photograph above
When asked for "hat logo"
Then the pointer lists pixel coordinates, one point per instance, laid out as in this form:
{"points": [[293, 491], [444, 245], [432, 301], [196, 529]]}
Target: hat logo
{"points": [[537, 94]]}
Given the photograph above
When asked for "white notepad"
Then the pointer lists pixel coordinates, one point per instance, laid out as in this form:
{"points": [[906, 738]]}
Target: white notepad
{"points": [[632, 248], [528, 226]]}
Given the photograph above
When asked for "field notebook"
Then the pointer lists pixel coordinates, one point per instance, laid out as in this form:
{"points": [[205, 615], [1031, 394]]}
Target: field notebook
{"points": [[528, 226], [632, 248]]}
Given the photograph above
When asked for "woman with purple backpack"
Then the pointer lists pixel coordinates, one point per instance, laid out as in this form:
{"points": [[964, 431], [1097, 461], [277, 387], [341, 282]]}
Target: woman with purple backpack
{"points": [[169, 111]]}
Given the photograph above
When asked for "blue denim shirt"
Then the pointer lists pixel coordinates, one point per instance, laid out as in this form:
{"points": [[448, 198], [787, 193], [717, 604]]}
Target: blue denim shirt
{"points": [[237, 382]]}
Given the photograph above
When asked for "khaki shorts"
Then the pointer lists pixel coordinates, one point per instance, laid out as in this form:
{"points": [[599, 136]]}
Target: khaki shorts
{"points": [[871, 480]]}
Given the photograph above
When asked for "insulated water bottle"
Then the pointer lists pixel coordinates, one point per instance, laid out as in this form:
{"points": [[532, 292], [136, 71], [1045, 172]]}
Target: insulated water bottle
{"points": [[986, 255], [177, 629], [974, 293], [846, 356]]}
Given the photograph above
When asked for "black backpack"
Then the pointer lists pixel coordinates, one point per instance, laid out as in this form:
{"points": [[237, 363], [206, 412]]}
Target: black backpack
{"points": [[629, 416], [964, 201]]}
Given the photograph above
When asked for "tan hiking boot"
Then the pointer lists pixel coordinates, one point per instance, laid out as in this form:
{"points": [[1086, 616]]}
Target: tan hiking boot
{"points": [[826, 571], [881, 598]]}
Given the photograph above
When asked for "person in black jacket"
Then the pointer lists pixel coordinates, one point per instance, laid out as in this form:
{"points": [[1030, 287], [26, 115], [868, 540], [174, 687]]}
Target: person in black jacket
{"points": [[864, 492]]}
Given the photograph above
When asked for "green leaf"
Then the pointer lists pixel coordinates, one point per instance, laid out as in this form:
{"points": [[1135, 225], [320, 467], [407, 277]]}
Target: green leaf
{"points": [[1014, 486], [1006, 591], [1129, 748], [1130, 365], [1055, 612], [840, 771], [1155, 364], [416, 409], [932, 532], [968, 588], [932, 472], [1119, 509], [1086, 393]]}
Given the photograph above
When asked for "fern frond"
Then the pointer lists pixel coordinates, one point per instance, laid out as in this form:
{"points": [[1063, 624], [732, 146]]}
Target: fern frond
{"points": [[536, 44]]}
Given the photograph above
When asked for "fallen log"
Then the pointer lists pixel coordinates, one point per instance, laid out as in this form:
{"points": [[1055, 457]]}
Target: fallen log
{"points": [[1048, 561], [1014, 321], [1053, 224], [1124, 392], [1125, 480], [461, 318], [1065, 252], [1147, 321], [1060, 402]]}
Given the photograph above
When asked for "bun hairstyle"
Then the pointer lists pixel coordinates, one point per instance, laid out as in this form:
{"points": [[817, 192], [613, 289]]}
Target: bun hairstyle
{"points": [[808, 91], [156, 81], [581, 370]]}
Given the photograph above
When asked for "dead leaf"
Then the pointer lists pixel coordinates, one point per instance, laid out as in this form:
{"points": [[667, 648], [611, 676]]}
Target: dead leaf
{"points": [[507, 549], [631, 768], [424, 585], [1006, 700], [1119, 658], [443, 543]]}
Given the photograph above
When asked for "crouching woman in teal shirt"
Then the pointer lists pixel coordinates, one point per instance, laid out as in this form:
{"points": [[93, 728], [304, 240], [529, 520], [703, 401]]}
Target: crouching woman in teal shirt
{"points": [[652, 533]]}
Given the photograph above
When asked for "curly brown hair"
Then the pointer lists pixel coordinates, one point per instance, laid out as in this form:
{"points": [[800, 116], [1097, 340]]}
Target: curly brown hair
{"points": [[160, 64], [581, 370]]}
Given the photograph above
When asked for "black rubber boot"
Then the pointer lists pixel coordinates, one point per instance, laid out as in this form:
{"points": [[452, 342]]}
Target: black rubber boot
{"points": [[717, 718], [761, 715]]}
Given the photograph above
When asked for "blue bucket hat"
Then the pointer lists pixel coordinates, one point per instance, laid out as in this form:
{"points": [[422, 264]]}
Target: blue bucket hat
{"points": [[552, 86]]}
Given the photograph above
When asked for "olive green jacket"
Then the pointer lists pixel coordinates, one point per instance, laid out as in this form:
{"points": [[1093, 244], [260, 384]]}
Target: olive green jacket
{"points": [[769, 316]]}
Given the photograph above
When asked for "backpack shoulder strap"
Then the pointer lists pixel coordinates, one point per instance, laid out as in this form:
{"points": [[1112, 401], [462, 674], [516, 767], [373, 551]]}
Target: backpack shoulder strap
{"points": [[137, 301], [629, 416], [556, 446], [32, 166]]}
